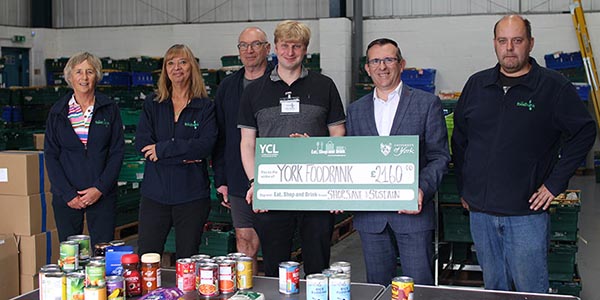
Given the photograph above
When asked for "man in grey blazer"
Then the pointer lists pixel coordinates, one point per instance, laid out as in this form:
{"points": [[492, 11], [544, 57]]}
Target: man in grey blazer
{"points": [[396, 109]]}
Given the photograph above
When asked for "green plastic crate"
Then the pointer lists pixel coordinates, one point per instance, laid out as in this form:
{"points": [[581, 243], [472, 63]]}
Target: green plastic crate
{"points": [[36, 114], [130, 117], [132, 169], [55, 64], [455, 224], [563, 222], [5, 97], [210, 76], [109, 64], [218, 213], [16, 139], [363, 89], [211, 90], [312, 60], [448, 191], [41, 95], [213, 243], [129, 195], [145, 64], [561, 261], [231, 60], [577, 74], [572, 287]]}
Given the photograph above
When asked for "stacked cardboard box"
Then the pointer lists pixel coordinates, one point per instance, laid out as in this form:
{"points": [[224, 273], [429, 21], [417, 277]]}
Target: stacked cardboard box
{"points": [[9, 266], [26, 213]]}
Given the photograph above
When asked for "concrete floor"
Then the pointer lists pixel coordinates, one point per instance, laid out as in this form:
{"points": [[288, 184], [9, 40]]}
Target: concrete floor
{"points": [[588, 257]]}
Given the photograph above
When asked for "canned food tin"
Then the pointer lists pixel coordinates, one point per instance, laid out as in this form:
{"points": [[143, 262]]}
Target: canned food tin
{"points": [[100, 249], [186, 274], [84, 245], [244, 273], [341, 267], [117, 243], [53, 286], [115, 287], [218, 259], [95, 273], [208, 275], [317, 287], [98, 259], [236, 255], [227, 276], [51, 268], [339, 287], [402, 288], [69, 256], [199, 257], [74, 286], [95, 293], [289, 277], [330, 272]]}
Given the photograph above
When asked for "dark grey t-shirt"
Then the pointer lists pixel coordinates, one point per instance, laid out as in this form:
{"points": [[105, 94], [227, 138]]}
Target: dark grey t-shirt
{"points": [[320, 106]]}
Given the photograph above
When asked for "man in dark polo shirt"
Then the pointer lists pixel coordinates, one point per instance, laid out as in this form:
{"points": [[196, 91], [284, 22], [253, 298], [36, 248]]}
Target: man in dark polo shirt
{"points": [[291, 102], [230, 178]]}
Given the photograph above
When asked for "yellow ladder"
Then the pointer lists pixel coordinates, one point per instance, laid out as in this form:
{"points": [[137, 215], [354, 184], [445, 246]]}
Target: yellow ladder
{"points": [[586, 53]]}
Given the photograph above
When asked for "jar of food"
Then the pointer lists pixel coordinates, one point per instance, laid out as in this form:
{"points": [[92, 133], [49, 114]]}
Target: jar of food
{"points": [[131, 273], [150, 272]]}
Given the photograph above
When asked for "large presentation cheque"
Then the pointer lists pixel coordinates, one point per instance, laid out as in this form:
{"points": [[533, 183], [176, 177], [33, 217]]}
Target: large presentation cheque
{"points": [[337, 173]]}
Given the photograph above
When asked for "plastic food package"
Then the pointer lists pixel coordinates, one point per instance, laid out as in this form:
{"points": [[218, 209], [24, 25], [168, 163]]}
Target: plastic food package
{"points": [[171, 293], [247, 295]]}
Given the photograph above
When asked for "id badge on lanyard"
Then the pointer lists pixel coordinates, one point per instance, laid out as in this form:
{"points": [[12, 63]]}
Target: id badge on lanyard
{"points": [[289, 105]]}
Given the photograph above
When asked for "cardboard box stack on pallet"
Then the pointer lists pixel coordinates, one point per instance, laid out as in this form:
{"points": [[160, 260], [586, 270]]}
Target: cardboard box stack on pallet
{"points": [[26, 217]]}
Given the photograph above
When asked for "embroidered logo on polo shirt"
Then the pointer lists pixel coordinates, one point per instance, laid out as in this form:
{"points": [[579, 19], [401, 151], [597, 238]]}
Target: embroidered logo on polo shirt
{"points": [[529, 105], [102, 122], [193, 124]]}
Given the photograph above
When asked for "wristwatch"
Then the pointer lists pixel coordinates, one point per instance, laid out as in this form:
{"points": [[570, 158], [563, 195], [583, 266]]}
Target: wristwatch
{"points": [[250, 182]]}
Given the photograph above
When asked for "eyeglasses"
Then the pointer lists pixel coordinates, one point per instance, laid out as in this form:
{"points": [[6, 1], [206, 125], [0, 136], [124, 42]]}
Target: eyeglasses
{"points": [[255, 45], [388, 61]]}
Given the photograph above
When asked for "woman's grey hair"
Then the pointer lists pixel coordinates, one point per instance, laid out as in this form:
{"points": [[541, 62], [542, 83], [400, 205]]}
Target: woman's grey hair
{"points": [[79, 58]]}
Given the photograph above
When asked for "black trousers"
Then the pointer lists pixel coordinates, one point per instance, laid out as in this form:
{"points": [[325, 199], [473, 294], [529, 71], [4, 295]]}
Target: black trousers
{"points": [[276, 229], [100, 220], [156, 220]]}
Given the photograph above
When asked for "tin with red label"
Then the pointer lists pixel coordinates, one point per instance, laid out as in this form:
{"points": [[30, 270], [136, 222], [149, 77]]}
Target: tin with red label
{"points": [[227, 276], [208, 279], [244, 273], [402, 288], [289, 277], [186, 274]]}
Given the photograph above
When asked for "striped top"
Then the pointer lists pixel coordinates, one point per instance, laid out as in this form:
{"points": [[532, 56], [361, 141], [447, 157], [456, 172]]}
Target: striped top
{"points": [[80, 120]]}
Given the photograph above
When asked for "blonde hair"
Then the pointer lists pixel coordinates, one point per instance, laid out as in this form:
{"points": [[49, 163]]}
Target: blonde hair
{"points": [[292, 31], [78, 58], [196, 89]]}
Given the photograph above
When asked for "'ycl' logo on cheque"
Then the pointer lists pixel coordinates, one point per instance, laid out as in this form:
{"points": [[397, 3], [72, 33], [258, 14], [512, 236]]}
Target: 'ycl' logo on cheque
{"points": [[268, 150]]}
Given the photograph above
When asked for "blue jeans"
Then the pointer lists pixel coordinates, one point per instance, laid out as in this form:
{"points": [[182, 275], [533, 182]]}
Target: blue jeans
{"points": [[512, 250]]}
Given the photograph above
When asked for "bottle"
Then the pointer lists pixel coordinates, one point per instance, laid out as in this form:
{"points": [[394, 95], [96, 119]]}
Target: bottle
{"points": [[131, 273], [150, 272]]}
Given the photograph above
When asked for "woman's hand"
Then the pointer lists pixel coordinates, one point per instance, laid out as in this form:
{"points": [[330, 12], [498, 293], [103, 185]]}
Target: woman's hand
{"points": [[76, 203], [89, 196], [150, 152]]}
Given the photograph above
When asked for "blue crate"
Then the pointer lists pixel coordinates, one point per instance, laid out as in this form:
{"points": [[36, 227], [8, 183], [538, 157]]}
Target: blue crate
{"points": [[116, 78], [559, 60], [141, 78], [55, 78], [583, 90], [430, 88], [12, 114], [421, 77]]}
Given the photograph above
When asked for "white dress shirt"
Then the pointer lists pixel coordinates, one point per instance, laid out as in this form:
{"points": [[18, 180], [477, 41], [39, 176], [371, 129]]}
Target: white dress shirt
{"points": [[385, 111]]}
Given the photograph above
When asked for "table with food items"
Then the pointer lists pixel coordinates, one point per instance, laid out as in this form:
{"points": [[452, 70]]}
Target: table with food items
{"points": [[113, 271]]}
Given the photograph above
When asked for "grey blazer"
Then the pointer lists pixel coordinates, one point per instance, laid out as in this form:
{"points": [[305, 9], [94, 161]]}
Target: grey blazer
{"points": [[419, 113]]}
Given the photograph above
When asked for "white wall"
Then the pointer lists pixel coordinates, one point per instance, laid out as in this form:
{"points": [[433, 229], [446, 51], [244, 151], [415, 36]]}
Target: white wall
{"points": [[456, 46]]}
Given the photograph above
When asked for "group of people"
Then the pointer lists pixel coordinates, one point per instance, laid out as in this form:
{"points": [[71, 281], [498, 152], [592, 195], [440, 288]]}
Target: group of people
{"points": [[520, 133]]}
